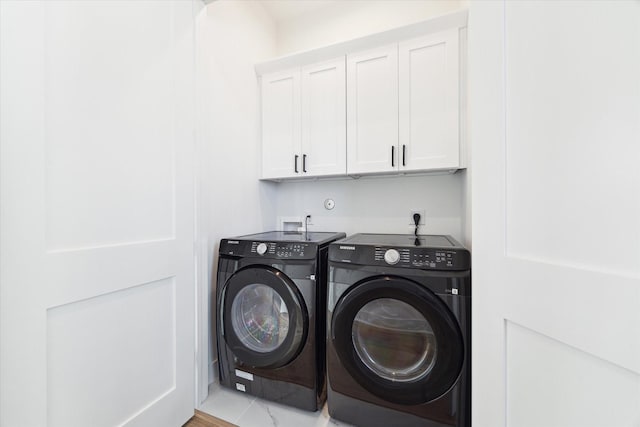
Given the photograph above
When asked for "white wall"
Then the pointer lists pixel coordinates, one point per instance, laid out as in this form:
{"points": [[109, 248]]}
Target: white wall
{"points": [[338, 21], [377, 204], [232, 37]]}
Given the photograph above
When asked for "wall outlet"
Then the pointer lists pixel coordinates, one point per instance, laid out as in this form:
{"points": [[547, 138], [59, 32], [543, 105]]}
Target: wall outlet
{"points": [[422, 216]]}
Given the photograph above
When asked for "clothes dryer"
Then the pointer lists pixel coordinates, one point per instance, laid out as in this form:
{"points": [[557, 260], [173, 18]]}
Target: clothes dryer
{"points": [[271, 315], [399, 331]]}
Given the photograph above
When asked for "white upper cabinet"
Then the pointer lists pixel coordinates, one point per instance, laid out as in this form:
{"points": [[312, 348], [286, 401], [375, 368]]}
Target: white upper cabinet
{"points": [[304, 121], [391, 102], [428, 99], [372, 110], [281, 157], [324, 119]]}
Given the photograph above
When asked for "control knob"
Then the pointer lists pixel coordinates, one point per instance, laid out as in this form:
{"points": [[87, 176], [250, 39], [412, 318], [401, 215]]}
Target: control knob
{"points": [[261, 249], [392, 256]]}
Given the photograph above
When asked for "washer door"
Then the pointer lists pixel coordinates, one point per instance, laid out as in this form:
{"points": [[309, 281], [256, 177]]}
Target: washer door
{"points": [[264, 318], [398, 340]]}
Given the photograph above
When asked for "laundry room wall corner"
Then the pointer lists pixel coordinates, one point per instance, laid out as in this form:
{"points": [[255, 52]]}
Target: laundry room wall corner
{"points": [[231, 37]]}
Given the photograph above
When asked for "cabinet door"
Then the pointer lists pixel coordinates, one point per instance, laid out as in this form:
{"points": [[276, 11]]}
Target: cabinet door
{"points": [[324, 125], [281, 124], [372, 111], [428, 68]]}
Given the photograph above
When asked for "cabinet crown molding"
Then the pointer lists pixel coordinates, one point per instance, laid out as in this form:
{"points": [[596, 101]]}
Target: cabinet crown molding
{"points": [[433, 25]]}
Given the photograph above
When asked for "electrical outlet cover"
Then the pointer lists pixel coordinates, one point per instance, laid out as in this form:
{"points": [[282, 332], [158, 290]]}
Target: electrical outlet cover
{"points": [[422, 216]]}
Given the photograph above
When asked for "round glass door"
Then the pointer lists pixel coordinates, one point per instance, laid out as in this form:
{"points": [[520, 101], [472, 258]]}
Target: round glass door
{"points": [[260, 318], [263, 316], [394, 340], [397, 339]]}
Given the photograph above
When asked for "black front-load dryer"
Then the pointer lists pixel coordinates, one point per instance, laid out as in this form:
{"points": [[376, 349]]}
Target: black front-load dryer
{"points": [[399, 331], [271, 314]]}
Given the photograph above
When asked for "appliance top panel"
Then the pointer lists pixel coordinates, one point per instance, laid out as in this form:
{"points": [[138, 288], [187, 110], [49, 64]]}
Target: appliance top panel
{"points": [[317, 237], [281, 245], [425, 252], [404, 240]]}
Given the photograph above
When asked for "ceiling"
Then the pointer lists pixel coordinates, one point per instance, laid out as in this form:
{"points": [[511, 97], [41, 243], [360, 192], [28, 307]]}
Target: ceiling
{"points": [[283, 10]]}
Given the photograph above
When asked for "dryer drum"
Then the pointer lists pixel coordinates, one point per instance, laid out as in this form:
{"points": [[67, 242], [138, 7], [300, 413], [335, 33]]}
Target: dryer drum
{"points": [[398, 340], [394, 340]]}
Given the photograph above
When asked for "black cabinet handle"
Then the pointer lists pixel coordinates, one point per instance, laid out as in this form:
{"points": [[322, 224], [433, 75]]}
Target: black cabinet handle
{"points": [[393, 151], [404, 149], [304, 163], [295, 163]]}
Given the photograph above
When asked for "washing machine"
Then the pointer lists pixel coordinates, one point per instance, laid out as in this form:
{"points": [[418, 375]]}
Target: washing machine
{"points": [[399, 331], [271, 315]]}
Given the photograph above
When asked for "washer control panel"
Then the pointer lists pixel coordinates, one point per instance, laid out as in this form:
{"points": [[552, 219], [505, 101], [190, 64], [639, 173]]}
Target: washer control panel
{"points": [[262, 248], [277, 250], [272, 250], [292, 250]]}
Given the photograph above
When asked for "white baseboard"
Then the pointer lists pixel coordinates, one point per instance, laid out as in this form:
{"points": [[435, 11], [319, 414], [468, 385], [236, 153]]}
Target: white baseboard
{"points": [[213, 372]]}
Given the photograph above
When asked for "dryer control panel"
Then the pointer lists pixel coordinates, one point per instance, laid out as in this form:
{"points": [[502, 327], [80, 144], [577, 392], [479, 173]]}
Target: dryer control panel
{"points": [[425, 252], [422, 258], [425, 258]]}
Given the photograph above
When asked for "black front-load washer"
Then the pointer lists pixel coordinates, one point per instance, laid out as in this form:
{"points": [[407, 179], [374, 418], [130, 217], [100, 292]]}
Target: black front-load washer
{"points": [[399, 331], [271, 314]]}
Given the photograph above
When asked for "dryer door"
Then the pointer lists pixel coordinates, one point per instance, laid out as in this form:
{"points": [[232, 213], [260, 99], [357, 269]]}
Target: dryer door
{"points": [[263, 317], [397, 339]]}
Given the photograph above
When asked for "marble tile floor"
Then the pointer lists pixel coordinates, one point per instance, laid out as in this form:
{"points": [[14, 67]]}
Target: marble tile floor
{"points": [[249, 411]]}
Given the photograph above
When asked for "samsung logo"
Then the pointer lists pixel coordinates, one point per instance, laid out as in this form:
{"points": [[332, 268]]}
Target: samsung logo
{"points": [[233, 242], [348, 248]]}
